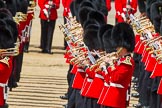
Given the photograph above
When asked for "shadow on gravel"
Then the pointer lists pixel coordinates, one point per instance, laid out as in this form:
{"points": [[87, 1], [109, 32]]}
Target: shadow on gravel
{"points": [[53, 47]]}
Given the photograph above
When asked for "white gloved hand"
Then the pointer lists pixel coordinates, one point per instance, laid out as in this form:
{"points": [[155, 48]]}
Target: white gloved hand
{"points": [[46, 13], [47, 6], [123, 16], [66, 10], [128, 7]]}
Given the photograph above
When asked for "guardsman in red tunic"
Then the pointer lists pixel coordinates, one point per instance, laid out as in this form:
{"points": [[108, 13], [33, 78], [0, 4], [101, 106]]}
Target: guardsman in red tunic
{"points": [[92, 41], [95, 79], [5, 72], [7, 40], [30, 17], [120, 73], [66, 12], [124, 7], [106, 40], [21, 35], [48, 16]]}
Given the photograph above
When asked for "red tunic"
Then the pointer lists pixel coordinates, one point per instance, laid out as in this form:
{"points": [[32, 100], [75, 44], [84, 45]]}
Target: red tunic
{"points": [[5, 71], [108, 5], [150, 63], [102, 94], [86, 84], [79, 78], [53, 11], [90, 74], [120, 5], [66, 5], [157, 70], [30, 16], [105, 88], [21, 34], [96, 86], [137, 40], [120, 78]]}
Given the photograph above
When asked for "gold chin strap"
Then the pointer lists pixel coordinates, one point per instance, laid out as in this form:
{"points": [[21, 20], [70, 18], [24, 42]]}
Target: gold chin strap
{"points": [[119, 50]]}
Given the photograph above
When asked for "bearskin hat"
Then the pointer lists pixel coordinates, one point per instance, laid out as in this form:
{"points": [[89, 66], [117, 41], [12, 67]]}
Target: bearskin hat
{"points": [[11, 5], [107, 41], [2, 4], [101, 31], [83, 14], [22, 6], [123, 36], [76, 8], [11, 24], [87, 3], [89, 22], [156, 15], [5, 14], [90, 37], [6, 36], [98, 16]]}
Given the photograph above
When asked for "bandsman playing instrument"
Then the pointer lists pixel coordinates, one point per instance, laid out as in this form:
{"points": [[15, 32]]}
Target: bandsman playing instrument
{"points": [[8, 37], [121, 71]]}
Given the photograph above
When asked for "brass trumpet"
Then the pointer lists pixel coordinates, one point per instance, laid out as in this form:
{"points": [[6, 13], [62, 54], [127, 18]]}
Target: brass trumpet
{"points": [[20, 17], [32, 3], [79, 40], [114, 56], [10, 51], [147, 27], [110, 63], [102, 59], [153, 40], [76, 58], [145, 20]]}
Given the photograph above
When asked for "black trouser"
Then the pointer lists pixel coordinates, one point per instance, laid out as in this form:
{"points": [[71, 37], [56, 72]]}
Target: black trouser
{"points": [[75, 100], [47, 30], [155, 100], [18, 68], [4, 106], [156, 16], [65, 43], [69, 74], [91, 103], [137, 59], [145, 89]]}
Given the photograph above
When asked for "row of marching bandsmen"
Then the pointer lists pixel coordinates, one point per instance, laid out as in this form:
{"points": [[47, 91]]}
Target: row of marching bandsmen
{"points": [[101, 56], [147, 48], [15, 24], [147, 55]]}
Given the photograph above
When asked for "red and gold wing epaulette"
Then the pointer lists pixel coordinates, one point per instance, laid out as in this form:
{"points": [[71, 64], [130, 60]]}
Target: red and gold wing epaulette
{"points": [[126, 60], [5, 60]]}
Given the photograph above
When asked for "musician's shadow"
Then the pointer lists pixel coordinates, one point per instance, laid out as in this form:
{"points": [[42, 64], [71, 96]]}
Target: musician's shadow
{"points": [[55, 49]]}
